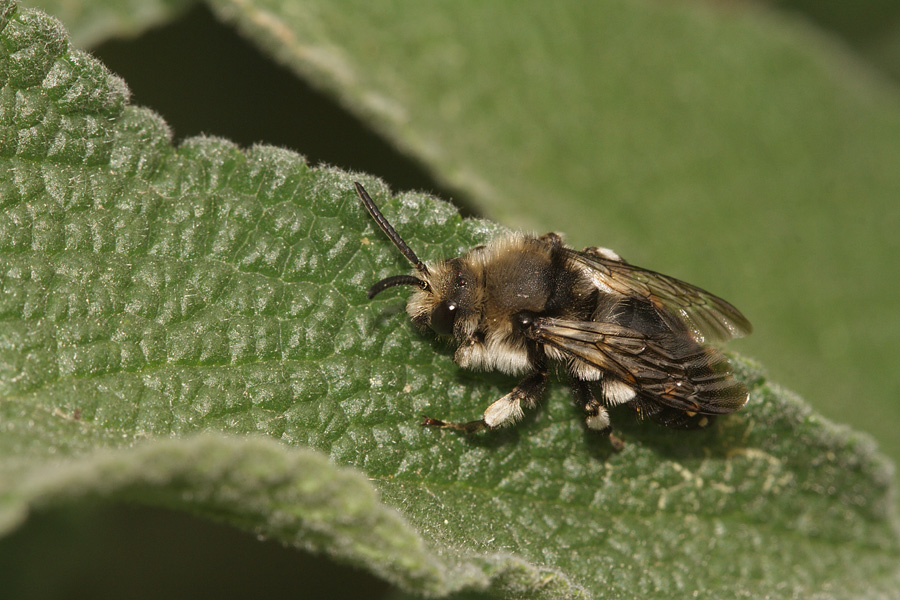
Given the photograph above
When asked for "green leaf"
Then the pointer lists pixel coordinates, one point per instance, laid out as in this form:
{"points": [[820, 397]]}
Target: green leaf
{"points": [[187, 327]]}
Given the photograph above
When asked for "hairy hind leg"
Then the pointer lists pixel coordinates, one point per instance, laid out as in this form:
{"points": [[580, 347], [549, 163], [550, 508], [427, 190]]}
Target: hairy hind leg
{"points": [[596, 415]]}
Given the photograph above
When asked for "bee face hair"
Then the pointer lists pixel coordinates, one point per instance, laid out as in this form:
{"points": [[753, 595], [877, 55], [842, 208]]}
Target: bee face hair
{"points": [[625, 335]]}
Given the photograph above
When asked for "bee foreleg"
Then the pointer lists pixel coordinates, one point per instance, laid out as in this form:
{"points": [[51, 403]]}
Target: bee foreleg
{"points": [[505, 411], [596, 415]]}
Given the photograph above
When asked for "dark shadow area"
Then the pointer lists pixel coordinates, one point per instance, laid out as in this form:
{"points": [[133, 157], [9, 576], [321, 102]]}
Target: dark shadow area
{"points": [[204, 78], [716, 440], [857, 23], [109, 551]]}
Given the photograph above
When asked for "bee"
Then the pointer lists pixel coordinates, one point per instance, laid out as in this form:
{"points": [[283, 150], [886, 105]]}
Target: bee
{"points": [[624, 334]]}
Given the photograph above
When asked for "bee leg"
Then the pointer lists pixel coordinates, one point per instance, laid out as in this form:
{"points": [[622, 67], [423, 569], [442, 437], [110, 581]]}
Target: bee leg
{"points": [[552, 237], [603, 253], [468, 427], [596, 415], [505, 411]]}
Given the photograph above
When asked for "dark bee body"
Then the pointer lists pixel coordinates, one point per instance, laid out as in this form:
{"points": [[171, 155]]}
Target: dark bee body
{"points": [[636, 336]]}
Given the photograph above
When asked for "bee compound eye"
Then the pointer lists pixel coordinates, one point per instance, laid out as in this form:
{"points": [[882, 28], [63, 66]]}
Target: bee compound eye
{"points": [[443, 316]]}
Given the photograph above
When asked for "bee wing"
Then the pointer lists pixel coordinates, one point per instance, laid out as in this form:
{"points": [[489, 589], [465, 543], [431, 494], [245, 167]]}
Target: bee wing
{"points": [[670, 367], [680, 304]]}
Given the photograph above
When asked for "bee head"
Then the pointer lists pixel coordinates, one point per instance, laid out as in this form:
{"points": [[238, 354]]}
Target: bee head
{"points": [[446, 292], [449, 305]]}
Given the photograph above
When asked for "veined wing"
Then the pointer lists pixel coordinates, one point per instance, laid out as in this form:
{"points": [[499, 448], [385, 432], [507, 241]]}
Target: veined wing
{"points": [[670, 367], [706, 316]]}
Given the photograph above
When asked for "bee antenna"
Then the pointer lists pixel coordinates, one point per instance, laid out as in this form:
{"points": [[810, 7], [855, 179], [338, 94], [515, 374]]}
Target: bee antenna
{"points": [[395, 237], [395, 280]]}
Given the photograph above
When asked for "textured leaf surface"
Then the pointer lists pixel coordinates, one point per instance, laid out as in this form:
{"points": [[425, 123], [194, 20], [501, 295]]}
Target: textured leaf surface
{"points": [[733, 147], [149, 292]]}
